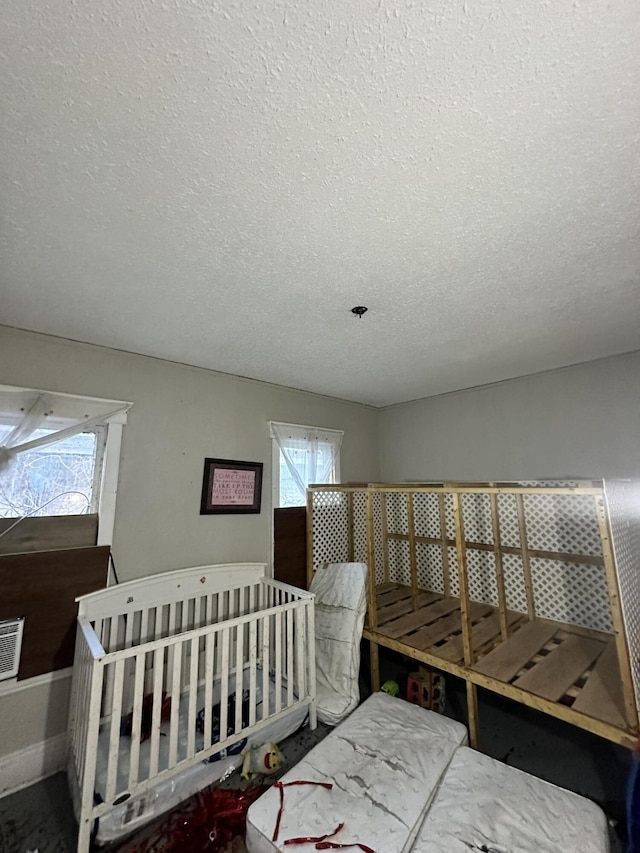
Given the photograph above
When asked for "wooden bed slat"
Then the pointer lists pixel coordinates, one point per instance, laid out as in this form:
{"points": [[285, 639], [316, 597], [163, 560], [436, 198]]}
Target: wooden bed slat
{"points": [[602, 695], [402, 608], [505, 661], [482, 633], [557, 671], [441, 629], [399, 593], [421, 618]]}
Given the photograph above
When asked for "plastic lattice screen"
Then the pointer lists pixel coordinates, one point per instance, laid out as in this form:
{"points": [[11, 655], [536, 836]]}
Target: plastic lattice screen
{"points": [[571, 592], [426, 514], [396, 510], [476, 512], [429, 567], [330, 528], [562, 523], [623, 504], [399, 565]]}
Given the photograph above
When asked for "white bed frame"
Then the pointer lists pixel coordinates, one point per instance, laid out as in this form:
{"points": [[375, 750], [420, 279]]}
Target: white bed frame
{"points": [[178, 634]]}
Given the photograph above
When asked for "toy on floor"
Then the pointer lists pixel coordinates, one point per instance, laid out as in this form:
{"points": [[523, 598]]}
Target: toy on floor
{"points": [[391, 687], [260, 760]]}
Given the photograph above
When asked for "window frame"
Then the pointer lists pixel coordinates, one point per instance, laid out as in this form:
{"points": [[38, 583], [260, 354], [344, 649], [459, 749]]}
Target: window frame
{"points": [[275, 458], [104, 504]]}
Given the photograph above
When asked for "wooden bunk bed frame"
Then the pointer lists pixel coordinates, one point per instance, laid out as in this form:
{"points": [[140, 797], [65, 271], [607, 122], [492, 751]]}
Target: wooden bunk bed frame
{"points": [[530, 590]]}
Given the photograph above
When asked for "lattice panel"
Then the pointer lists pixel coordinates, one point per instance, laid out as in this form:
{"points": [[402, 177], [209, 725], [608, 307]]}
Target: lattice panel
{"points": [[399, 562], [360, 527], [623, 502], [330, 528], [514, 588], [397, 515], [570, 592], [426, 515], [509, 527], [564, 523], [429, 567], [476, 513], [481, 571]]}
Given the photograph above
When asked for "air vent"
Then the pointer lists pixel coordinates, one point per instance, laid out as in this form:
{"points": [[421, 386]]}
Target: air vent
{"points": [[10, 644]]}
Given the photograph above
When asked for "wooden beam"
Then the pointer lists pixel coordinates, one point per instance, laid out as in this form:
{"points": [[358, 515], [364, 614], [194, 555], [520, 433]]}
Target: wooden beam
{"points": [[413, 567], [47, 533], [444, 545], [310, 540], [463, 579], [385, 535], [526, 562], [497, 553], [372, 604]]}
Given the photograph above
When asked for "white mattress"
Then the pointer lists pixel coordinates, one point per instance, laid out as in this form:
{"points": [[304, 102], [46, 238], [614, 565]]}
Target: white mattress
{"points": [[385, 762], [340, 605], [138, 810], [483, 804]]}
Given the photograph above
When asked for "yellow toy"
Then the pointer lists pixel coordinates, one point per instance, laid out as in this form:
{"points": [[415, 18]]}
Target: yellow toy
{"points": [[260, 760]]}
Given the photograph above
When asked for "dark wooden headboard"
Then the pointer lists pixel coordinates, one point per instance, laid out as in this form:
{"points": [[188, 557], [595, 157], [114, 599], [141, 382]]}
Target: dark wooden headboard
{"points": [[42, 586]]}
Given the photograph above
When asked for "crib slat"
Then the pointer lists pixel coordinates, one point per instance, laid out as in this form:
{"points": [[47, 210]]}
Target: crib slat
{"points": [[239, 674], [300, 614], [311, 664], [156, 718], [114, 734], [289, 618], [113, 633], [144, 626], [208, 687], [157, 622], [136, 724], [193, 697], [175, 705], [253, 660], [265, 666], [129, 620], [97, 627], [224, 683], [278, 661]]}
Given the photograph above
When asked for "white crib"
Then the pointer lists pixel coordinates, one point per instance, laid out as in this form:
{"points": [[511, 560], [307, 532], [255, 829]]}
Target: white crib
{"points": [[153, 654]]}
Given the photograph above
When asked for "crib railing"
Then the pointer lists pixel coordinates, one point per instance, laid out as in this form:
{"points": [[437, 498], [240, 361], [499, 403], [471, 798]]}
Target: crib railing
{"points": [[155, 668]]}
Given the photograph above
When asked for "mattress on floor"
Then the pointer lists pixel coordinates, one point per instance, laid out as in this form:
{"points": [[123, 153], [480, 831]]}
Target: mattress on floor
{"points": [[385, 762], [483, 804], [167, 794]]}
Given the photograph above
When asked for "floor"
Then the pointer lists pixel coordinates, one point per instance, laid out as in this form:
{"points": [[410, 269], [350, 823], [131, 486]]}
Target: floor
{"points": [[40, 817]]}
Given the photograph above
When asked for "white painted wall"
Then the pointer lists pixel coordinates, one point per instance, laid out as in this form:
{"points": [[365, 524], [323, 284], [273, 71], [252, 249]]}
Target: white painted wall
{"points": [[579, 421], [180, 415]]}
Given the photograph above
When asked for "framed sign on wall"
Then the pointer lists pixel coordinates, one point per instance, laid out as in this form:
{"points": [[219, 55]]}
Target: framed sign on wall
{"points": [[231, 487]]}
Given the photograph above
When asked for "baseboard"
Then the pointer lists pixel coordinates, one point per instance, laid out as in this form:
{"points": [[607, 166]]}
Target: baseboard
{"points": [[31, 764]]}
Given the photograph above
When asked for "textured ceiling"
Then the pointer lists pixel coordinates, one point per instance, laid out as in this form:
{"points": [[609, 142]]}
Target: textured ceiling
{"points": [[218, 183]]}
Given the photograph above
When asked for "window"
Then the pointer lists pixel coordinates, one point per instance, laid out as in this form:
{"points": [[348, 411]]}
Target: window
{"points": [[302, 455], [56, 479], [59, 455]]}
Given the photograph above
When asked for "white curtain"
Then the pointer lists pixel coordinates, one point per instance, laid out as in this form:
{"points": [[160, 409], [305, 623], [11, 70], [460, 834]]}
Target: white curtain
{"points": [[36, 416], [311, 454]]}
